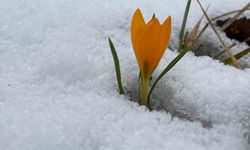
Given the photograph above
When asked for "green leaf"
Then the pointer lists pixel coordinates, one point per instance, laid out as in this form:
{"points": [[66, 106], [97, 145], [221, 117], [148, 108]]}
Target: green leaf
{"points": [[237, 56], [117, 66], [170, 66], [183, 26]]}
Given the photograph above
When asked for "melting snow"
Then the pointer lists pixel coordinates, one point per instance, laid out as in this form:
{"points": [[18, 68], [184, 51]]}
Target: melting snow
{"points": [[58, 87]]}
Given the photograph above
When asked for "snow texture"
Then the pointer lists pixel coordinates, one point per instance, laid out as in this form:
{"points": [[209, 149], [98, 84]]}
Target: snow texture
{"points": [[58, 88]]}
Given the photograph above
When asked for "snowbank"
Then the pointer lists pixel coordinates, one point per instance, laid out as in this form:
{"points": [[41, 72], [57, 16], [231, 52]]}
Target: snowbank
{"points": [[58, 87]]}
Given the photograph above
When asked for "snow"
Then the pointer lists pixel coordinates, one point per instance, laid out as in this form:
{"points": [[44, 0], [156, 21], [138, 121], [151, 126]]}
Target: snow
{"points": [[58, 88]]}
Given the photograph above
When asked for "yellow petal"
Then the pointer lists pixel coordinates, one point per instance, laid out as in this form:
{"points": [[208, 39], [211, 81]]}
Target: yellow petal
{"points": [[165, 33], [137, 26], [149, 46], [164, 39]]}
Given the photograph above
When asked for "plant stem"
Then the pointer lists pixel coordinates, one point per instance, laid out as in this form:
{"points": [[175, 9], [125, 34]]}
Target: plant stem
{"points": [[184, 21], [169, 67], [144, 86]]}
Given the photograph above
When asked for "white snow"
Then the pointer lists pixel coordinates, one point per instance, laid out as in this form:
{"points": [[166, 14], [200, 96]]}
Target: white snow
{"points": [[58, 87]]}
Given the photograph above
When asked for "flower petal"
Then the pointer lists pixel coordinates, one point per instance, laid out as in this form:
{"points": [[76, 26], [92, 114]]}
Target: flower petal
{"points": [[165, 33], [137, 27], [164, 38], [149, 46]]}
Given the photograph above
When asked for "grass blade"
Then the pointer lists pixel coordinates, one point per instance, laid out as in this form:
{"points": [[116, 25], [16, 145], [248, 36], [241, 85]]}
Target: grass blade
{"points": [[117, 66], [170, 66], [237, 56], [183, 26]]}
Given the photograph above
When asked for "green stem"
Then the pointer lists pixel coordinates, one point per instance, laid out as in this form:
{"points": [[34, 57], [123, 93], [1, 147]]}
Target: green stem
{"points": [[169, 67], [184, 21], [144, 86]]}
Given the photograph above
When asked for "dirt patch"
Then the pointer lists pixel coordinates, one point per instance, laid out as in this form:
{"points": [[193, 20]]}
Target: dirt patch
{"points": [[239, 30]]}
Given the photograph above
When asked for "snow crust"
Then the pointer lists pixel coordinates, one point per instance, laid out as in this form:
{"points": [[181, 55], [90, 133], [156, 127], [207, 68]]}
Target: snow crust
{"points": [[58, 88]]}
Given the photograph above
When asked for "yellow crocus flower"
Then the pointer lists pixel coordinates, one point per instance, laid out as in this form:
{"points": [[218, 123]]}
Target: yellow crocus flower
{"points": [[149, 43]]}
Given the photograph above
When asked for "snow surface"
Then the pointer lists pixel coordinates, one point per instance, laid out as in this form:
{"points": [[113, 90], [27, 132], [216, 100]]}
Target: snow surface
{"points": [[58, 88]]}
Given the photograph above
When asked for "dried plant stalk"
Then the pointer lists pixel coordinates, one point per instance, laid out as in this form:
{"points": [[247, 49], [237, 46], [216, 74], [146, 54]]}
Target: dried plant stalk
{"points": [[229, 22], [213, 19], [227, 14], [222, 52], [229, 52], [192, 36]]}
